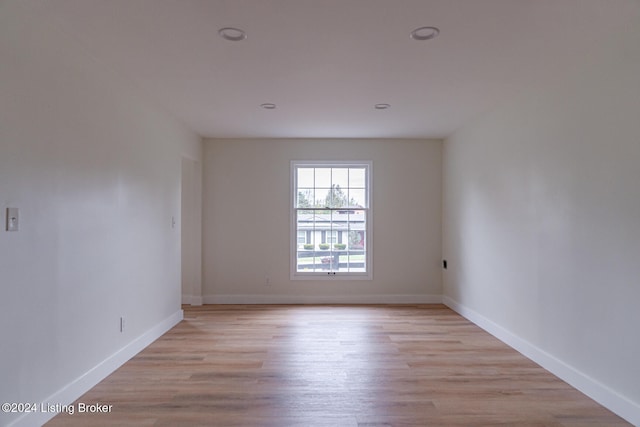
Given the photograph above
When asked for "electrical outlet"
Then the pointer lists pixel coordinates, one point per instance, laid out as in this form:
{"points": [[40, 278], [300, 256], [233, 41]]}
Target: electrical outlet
{"points": [[13, 219]]}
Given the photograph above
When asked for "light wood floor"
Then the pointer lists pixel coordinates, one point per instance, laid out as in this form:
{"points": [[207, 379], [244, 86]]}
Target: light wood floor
{"points": [[333, 366]]}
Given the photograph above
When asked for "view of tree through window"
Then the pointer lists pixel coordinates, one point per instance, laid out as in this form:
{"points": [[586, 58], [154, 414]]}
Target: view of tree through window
{"points": [[331, 206]]}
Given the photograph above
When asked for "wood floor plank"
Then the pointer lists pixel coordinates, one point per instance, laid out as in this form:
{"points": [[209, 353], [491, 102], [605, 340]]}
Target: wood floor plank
{"points": [[383, 365]]}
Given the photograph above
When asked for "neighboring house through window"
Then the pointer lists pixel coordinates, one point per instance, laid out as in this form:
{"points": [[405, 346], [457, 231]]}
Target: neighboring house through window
{"points": [[330, 220]]}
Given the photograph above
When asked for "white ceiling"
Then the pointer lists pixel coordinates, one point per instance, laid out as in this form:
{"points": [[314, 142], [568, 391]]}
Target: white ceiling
{"points": [[325, 63]]}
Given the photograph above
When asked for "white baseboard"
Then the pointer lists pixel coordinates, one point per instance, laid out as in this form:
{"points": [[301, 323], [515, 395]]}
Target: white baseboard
{"points": [[72, 391], [599, 392], [322, 299], [191, 300]]}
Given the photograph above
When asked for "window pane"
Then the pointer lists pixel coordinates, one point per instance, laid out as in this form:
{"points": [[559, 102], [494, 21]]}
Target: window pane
{"points": [[354, 262], [305, 198], [357, 198], [307, 261], [323, 220], [340, 220], [305, 254], [306, 214], [340, 177], [305, 177], [337, 197], [305, 222], [357, 227], [357, 178], [324, 197], [323, 177]]}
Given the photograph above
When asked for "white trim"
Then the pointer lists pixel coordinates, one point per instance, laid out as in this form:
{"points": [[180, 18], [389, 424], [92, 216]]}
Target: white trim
{"points": [[295, 275], [599, 392], [72, 391], [323, 275], [322, 299]]}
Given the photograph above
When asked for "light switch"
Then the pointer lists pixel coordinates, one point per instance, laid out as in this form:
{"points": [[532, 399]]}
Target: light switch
{"points": [[13, 219]]}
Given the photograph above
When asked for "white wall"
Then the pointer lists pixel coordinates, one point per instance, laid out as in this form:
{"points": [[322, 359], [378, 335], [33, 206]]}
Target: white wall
{"points": [[542, 224], [95, 172], [191, 205], [247, 232]]}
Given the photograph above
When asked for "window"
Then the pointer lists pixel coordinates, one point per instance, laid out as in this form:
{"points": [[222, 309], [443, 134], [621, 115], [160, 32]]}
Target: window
{"points": [[330, 220]]}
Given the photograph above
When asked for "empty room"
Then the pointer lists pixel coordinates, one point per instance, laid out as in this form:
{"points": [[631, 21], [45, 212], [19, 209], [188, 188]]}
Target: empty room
{"points": [[319, 212]]}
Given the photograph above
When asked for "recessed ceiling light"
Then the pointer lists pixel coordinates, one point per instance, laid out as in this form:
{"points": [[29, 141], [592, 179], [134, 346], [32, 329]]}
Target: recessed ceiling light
{"points": [[232, 34], [425, 33], [268, 106], [382, 106]]}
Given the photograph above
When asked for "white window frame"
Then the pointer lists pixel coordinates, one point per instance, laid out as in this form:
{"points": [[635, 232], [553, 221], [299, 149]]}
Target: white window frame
{"points": [[332, 275]]}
